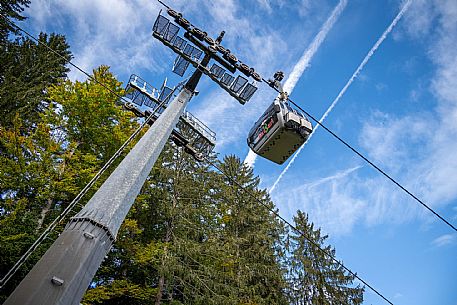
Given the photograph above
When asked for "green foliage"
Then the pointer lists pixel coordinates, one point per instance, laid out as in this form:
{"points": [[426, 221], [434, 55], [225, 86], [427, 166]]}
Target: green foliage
{"points": [[28, 69], [119, 292], [88, 116], [251, 235], [10, 11], [196, 240], [43, 168], [314, 278]]}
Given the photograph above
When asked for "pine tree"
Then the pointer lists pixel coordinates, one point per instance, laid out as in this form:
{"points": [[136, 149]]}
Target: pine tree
{"points": [[191, 249], [10, 11], [251, 236], [314, 278], [27, 70], [175, 251]]}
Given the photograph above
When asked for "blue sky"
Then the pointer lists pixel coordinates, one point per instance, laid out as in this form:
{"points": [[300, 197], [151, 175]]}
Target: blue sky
{"points": [[401, 112]]}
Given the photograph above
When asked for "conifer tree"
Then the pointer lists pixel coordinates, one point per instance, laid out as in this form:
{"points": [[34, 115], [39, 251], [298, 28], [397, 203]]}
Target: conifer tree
{"points": [[251, 236], [314, 278], [27, 70], [179, 244], [10, 11], [174, 255]]}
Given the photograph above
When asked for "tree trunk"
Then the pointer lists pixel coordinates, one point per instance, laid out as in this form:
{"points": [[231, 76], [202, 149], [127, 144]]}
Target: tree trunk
{"points": [[167, 239], [161, 283], [43, 214], [48, 206]]}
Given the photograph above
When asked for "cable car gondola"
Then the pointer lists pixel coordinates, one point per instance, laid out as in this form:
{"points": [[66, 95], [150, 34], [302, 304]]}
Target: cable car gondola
{"points": [[281, 129]]}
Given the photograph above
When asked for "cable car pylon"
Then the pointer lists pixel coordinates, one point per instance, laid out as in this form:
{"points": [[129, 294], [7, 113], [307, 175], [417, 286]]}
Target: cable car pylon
{"points": [[64, 272]]}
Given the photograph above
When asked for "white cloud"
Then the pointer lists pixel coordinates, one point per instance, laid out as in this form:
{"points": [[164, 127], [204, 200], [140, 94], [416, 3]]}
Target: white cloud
{"points": [[218, 112], [308, 7], [331, 202], [444, 240], [346, 198], [418, 148], [101, 32], [398, 295], [420, 18], [388, 139], [265, 4], [41, 11], [435, 174], [381, 86]]}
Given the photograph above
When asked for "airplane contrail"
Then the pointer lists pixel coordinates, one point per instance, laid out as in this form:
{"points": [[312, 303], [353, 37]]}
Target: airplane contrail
{"points": [[305, 60], [353, 77]]}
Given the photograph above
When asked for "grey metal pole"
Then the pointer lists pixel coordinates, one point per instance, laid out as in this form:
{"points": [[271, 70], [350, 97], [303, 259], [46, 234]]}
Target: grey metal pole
{"points": [[64, 272]]}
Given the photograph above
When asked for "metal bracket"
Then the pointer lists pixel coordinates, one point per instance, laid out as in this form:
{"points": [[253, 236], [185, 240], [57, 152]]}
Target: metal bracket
{"points": [[177, 138]]}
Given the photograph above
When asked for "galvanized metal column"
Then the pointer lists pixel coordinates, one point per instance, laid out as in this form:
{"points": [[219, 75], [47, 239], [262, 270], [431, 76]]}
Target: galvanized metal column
{"points": [[64, 272]]}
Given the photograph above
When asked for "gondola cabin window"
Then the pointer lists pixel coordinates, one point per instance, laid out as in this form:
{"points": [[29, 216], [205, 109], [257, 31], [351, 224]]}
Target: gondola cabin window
{"points": [[264, 128]]}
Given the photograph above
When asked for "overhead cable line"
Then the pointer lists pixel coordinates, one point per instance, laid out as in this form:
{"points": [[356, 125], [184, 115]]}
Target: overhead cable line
{"points": [[361, 156], [405, 6], [319, 122], [94, 179], [301, 233], [370, 162]]}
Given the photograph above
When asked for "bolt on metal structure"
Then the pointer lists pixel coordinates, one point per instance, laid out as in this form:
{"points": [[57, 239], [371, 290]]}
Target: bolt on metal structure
{"points": [[65, 271]]}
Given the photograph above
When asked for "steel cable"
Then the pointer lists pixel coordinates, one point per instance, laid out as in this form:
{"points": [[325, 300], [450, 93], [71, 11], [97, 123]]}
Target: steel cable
{"points": [[376, 167]]}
